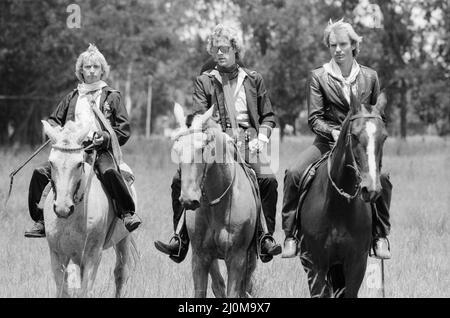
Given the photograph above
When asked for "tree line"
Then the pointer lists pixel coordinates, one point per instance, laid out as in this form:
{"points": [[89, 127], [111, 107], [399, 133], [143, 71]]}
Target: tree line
{"points": [[156, 48]]}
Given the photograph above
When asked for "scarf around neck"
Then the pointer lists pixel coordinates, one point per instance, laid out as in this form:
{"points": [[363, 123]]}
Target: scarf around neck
{"points": [[333, 69], [231, 72], [84, 88]]}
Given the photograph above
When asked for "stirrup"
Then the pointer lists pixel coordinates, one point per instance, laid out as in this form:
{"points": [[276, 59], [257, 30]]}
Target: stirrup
{"points": [[265, 257], [180, 244]]}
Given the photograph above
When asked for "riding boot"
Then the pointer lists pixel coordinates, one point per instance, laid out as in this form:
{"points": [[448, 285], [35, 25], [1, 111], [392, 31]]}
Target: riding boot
{"points": [[290, 202], [178, 245], [117, 188], [381, 225], [269, 195], [39, 181]]}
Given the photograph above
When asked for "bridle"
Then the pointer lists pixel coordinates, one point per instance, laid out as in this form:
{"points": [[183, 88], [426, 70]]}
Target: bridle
{"points": [[205, 168], [354, 164], [76, 199]]}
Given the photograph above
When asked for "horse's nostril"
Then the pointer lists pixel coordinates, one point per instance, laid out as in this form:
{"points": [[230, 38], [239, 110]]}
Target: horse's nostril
{"points": [[71, 209]]}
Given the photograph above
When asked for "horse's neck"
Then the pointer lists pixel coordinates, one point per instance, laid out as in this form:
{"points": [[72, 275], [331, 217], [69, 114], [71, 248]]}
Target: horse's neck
{"points": [[218, 179], [342, 174]]}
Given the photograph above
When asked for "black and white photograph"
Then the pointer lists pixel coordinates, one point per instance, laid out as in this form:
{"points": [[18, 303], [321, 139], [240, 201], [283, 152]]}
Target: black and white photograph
{"points": [[257, 149]]}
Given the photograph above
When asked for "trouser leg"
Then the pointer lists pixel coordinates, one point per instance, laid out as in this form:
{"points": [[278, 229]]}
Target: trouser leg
{"points": [[176, 204], [114, 183], [381, 224], [291, 187], [39, 180], [269, 196]]}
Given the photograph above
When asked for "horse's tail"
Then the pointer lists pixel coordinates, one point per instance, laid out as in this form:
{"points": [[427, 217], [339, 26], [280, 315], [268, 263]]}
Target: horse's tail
{"points": [[135, 256]]}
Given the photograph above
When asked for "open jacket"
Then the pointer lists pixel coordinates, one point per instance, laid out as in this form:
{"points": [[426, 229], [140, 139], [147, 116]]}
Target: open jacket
{"points": [[111, 105], [208, 91], [327, 106]]}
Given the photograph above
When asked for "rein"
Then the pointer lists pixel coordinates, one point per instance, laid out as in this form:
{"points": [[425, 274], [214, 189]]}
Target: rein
{"points": [[205, 170], [353, 165]]}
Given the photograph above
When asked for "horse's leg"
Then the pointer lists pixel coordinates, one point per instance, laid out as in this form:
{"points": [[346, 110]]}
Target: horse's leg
{"points": [[89, 267], [217, 281], [251, 266], [354, 275], [121, 271], [337, 280], [59, 265], [200, 268], [318, 285], [237, 266]]}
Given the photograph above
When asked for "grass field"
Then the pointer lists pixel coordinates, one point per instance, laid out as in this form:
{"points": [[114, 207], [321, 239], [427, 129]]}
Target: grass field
{"points": [[420, 238]]}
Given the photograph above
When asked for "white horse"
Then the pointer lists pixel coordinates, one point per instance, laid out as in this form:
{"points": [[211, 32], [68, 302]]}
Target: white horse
{"points": [[79, 217]]}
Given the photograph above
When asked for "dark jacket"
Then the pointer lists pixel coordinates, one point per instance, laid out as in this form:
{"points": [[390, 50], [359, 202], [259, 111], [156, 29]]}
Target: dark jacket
{"points": [[208, 91], [327, 106], [111, 105]]}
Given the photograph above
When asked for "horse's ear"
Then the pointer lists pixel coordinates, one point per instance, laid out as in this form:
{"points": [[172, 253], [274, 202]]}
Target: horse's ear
{"points": [[381, 102], [179, 115], [207, 115], [50, 131]]}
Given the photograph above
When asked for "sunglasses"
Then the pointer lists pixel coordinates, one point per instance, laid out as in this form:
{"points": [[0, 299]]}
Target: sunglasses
{"points": [[223, 48]]}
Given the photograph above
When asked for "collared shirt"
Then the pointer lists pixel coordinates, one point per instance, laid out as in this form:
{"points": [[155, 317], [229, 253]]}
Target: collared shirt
{"points": [[242, 115]]}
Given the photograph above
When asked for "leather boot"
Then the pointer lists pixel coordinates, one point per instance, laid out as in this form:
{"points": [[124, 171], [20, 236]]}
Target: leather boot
{"points": [[131, 221], [290, 247], [176, 249], [381, 248], [38, 230]]}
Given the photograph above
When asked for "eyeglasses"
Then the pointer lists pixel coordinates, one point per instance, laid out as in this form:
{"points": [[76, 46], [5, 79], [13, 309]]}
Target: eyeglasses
{"points": [[223, 48]]}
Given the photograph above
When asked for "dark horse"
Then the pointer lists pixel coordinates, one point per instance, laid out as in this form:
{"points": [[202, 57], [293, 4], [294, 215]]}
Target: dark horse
{"points": [[336, 215]]}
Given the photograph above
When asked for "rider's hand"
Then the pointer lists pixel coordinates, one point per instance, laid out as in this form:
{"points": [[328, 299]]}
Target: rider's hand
{"points": [[100, 139], [335, 133], [256, 145]]}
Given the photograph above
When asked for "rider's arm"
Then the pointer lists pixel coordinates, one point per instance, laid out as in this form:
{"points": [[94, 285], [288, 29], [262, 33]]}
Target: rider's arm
{"points": [[267, 118], [58, 117], [120, 124], [375, 93], [316, 109], [201, 101]]}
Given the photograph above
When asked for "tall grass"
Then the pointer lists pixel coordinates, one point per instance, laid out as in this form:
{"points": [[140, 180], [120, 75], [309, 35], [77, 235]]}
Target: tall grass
{"points": [[420, 238]]}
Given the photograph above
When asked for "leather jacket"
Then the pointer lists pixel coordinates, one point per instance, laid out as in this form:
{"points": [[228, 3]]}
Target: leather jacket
{"points": [[327, 106], [111, 105], [208, 91]]}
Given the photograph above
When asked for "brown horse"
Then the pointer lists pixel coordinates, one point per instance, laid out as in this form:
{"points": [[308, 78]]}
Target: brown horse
{"points": [[221, 208], [336, 215]]}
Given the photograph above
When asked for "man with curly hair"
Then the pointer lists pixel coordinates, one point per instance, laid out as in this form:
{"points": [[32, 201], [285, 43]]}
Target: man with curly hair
{"points": [[91, 69], [329, 89], [243, 106]]}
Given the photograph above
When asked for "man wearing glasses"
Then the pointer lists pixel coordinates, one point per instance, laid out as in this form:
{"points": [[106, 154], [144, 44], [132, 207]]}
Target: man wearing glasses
{"points": [[244, 107]]}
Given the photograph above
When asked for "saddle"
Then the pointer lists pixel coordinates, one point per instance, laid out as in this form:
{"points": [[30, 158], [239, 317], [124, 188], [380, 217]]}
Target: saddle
{"points": [[305, 183]]}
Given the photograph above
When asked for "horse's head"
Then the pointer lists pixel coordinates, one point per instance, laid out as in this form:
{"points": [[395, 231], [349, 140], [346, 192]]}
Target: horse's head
{"points": [[195, 149], [67, 164], [367, 134]]}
